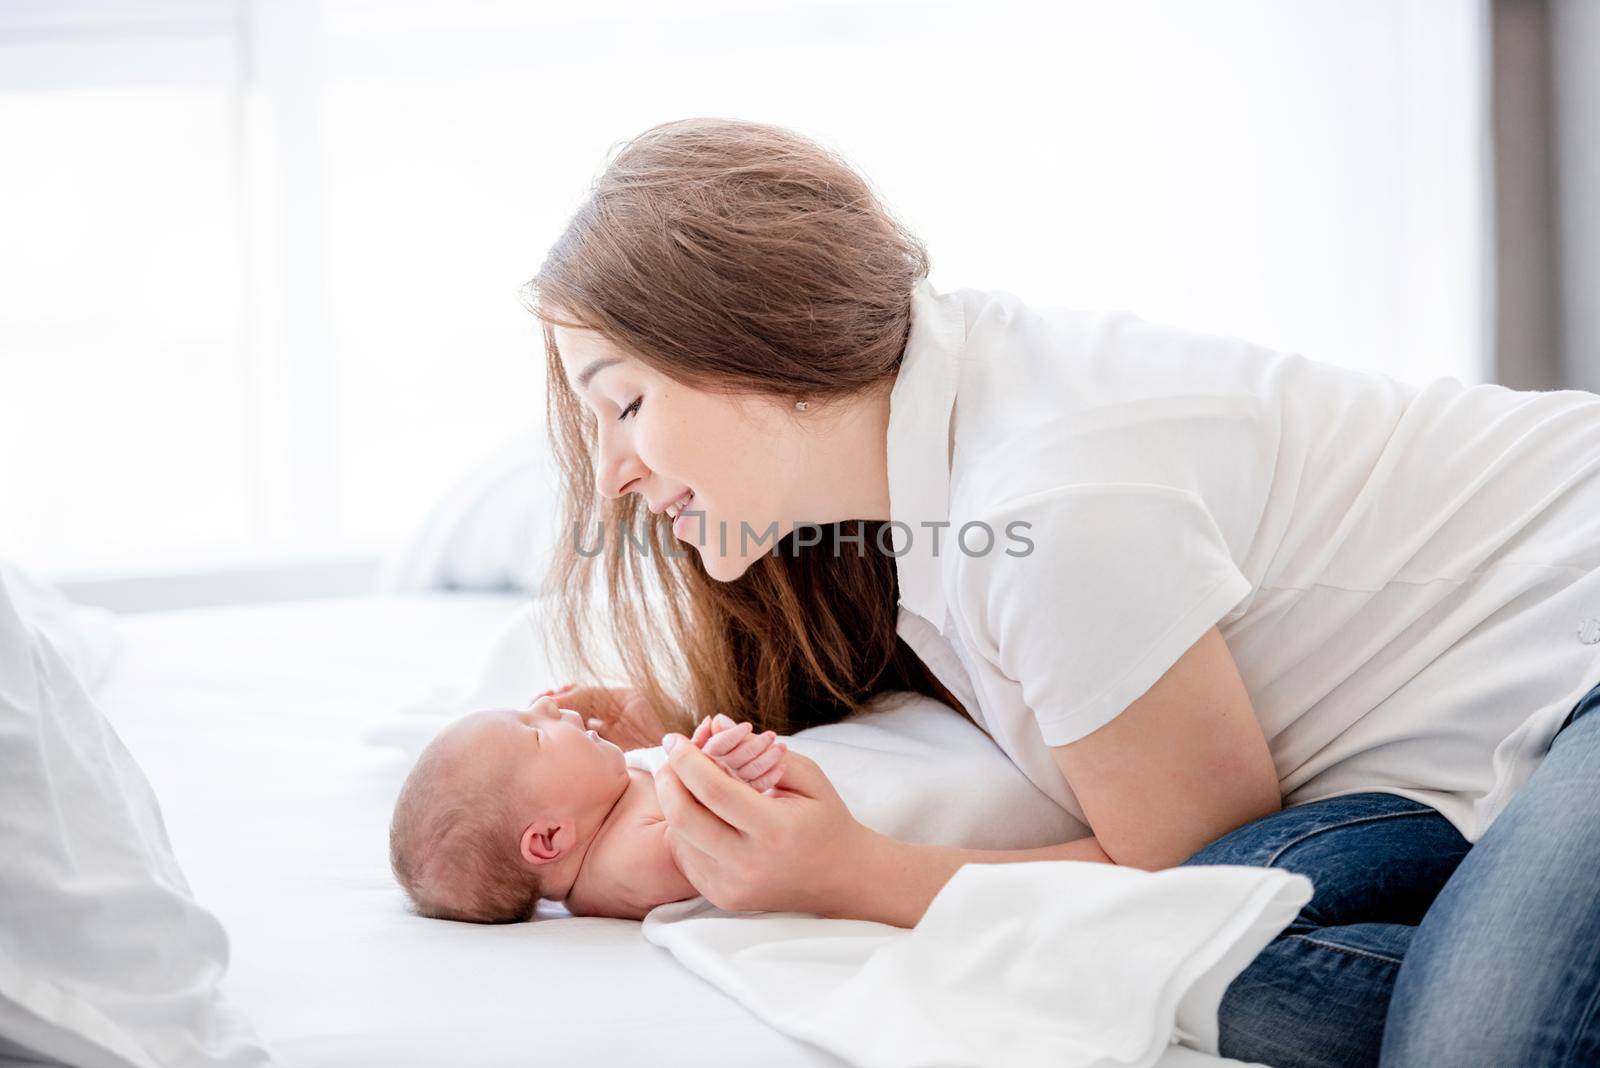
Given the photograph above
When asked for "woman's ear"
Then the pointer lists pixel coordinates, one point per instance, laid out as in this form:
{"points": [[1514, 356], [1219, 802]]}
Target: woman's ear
{"points": [[545, 841]]}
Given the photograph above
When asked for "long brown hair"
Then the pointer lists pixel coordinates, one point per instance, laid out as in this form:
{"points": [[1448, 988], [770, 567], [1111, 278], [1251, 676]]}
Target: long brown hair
{"points": [[745, 258]]}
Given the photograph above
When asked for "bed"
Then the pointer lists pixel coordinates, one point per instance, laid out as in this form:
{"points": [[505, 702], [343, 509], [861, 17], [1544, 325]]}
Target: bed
{"points": [[254, 724], [250, 723]]}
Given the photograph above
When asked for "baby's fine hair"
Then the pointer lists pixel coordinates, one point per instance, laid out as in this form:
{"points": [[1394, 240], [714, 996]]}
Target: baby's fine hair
{"points": [[450, 846]]}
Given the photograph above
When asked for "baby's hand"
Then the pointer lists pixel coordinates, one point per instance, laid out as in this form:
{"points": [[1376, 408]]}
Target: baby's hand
{"points": [[753, 758]]}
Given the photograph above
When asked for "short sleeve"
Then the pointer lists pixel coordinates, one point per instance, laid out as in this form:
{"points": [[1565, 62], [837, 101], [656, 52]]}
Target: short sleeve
{"points": [[1091, 592]]}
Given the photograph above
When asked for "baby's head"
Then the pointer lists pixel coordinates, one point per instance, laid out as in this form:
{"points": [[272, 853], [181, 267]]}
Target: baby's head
{"points": [[499, 811]]}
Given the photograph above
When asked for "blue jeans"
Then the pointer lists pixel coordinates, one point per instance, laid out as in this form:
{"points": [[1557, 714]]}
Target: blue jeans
{"points": [[1420, 948]]}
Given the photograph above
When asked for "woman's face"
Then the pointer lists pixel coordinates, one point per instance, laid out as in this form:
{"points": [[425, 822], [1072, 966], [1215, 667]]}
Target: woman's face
{"points": [[738, 456]]}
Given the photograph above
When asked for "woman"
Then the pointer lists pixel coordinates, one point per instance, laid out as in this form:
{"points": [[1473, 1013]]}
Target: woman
{"points": [[1224, 604]]}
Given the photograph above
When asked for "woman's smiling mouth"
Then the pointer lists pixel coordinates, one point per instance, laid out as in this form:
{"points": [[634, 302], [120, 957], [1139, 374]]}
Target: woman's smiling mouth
{"points": [[676, 508]]}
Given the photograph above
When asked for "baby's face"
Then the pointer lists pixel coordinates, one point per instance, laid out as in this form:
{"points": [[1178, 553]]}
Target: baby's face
{"points": [[561, 757], [550, 756], [560, 780]]}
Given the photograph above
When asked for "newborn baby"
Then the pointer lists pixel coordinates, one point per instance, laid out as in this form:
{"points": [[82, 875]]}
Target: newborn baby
{"points": [[505, 807]]}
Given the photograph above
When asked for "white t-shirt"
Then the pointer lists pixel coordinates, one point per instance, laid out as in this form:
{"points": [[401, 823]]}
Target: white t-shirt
{"points": [[1407, 576]]}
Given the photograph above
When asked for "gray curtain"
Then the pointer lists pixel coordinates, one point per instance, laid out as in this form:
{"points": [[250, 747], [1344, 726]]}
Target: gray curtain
{"points": [[1545, 84]]}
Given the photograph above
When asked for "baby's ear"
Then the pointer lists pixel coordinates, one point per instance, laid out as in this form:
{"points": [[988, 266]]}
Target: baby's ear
{"points": [[544, 841]]}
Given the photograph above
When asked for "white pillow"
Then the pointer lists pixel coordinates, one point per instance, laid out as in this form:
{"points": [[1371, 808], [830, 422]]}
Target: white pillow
{"points": [[105, 957], [493, 530]]}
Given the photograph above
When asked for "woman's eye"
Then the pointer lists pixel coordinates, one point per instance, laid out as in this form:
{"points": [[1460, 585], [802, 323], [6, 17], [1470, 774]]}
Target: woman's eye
{"points": [[634, 407]]}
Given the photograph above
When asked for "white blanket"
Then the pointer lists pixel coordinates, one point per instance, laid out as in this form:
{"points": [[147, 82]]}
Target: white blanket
{"points": [[1048, 963]]}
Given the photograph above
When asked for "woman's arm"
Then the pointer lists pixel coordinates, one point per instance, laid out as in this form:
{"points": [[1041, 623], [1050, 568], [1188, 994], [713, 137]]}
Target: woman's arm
{"points": [[899, 880], [1180, 767], [798, 848]]}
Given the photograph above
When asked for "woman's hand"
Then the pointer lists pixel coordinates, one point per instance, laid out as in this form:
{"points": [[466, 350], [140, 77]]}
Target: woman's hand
{"points": [[617, 714], [794, 849]]}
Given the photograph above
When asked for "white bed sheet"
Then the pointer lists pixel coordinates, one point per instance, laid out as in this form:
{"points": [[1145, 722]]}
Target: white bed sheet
{"points": [[250, 724]]}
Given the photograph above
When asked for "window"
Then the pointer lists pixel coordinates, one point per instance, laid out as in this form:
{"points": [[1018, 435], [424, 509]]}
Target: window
{"points": [[263, 258]]}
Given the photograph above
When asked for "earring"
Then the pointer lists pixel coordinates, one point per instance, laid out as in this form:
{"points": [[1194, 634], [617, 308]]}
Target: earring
{"points": [[801, 406]]}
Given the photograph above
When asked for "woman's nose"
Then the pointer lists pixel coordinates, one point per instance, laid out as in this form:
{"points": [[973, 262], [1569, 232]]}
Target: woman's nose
{"points": [[619, 469], [618, 483]]}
